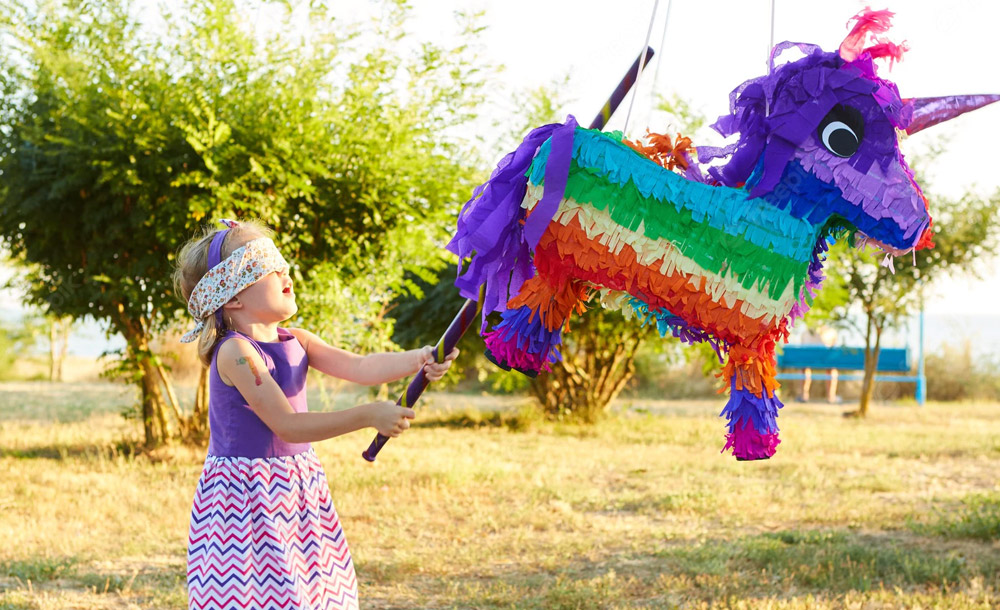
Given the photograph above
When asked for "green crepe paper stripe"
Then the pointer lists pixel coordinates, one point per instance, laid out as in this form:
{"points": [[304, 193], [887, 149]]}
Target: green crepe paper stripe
{"points": [[723, 208], [755, 268]]}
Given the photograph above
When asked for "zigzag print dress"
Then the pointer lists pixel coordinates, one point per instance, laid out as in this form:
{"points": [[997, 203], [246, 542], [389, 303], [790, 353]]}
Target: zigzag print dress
{"points": [[264, 533]]}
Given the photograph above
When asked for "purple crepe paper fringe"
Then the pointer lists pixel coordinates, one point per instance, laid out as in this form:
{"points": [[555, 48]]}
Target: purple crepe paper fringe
{"points": [[506, 353], [492, 226], [521, 340], [744, 407], [677, 326], [814, 281], [772, 120], [753, 426]]}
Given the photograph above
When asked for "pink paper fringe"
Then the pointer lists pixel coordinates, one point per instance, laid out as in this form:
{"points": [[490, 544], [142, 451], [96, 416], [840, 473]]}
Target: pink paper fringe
{"points": [[748, 444], [507, 352]]}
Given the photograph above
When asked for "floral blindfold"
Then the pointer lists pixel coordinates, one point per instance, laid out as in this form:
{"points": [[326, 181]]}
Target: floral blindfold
{"points": [[247, 265]]}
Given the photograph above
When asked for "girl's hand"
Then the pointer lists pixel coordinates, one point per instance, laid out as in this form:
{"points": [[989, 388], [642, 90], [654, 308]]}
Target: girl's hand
{"points": [[435, 370], [389, 418]]}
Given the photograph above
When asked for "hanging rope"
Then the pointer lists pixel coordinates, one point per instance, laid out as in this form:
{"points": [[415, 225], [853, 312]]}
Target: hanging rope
{"points": [[642, 65], [770, 49], [770, 45], [659, 62]]}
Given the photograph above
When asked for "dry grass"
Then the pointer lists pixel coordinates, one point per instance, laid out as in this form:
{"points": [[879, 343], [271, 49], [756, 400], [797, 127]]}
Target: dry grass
{"points": [[501, 511]]}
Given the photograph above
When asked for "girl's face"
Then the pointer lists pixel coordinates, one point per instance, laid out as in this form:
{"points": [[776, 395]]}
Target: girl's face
{"points": [[271, 299]]}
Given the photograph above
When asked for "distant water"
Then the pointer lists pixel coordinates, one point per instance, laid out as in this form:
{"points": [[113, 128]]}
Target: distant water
{"points": [[981, 332], [88, 338]]}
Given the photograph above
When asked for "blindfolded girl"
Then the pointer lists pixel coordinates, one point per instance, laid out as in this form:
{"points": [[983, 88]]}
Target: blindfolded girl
{"points": [[264, 531]]}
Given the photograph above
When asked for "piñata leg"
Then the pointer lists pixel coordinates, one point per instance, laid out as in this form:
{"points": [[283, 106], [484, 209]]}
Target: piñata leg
{"points": [[752, 410], [530, 330]]}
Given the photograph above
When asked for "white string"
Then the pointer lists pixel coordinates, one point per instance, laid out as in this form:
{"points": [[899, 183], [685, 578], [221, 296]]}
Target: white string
{"points": [[770, 46], [659, 60], [256, 18], [770, 49], [642, 65]]}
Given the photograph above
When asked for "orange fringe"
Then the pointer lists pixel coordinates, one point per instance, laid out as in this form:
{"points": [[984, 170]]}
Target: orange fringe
{"points": [[751, 371], [567, 260], [662, 151], [553, 304], [564, 252]]}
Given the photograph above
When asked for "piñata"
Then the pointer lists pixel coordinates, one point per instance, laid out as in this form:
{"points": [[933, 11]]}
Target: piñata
{"points": [[731, 255]]}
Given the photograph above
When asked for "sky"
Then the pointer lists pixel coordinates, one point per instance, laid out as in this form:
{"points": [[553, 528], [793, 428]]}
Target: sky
{"points": [[709, 47]]}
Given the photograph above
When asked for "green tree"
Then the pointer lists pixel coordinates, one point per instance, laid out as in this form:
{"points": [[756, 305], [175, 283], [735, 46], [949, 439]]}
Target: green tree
{"points": [[118, 141], [964, 234], [17, 339]]}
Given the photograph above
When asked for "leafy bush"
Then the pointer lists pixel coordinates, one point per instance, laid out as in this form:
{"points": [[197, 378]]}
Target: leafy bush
{"points": [[16, 340], [666, 369], [954, 373]]}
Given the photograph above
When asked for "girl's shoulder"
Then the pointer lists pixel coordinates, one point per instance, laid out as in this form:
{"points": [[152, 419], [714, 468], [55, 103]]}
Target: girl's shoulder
{"points": [[304, 336]]}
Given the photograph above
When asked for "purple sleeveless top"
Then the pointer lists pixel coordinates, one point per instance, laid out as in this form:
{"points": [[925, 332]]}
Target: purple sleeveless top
{"points": [[236, 431]]}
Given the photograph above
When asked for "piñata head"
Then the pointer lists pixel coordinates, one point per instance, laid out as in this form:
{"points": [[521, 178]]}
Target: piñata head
{"points": [[731, 258], [818, 136]]}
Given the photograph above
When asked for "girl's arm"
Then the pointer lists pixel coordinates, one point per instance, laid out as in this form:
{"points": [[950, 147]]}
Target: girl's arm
{"points": [[372, 369], [240, 365]]}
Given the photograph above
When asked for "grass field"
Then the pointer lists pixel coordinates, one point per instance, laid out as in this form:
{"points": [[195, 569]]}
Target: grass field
{"points": [[486, 509]]}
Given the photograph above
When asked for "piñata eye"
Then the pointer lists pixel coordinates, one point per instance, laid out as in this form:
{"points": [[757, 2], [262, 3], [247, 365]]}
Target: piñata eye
{"points": [[841, 130]]}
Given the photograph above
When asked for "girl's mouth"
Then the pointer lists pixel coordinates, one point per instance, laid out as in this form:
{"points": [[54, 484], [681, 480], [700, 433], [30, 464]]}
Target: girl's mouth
{"points": [[287, 290]]}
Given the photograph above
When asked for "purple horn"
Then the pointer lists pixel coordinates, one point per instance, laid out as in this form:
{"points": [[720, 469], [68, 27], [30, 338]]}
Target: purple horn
{"points": [[929, 111]]}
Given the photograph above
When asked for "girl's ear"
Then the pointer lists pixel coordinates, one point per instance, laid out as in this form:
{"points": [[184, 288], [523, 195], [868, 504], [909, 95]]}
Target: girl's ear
{"points": [[234, 303]]}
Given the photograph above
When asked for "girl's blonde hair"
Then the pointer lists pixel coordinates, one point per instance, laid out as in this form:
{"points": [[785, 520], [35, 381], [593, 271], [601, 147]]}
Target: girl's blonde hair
{"points": [[192, 265]]}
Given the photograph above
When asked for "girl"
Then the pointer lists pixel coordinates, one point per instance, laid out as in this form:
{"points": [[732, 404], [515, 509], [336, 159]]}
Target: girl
{"points": [[264, 532]]}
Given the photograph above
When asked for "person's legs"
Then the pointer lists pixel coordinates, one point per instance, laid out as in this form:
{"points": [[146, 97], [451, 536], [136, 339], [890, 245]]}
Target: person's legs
{"points": [[831, 393], [806, 384]]}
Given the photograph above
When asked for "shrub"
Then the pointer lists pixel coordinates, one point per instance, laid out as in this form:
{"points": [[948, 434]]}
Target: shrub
{"points": [[955, 373]]}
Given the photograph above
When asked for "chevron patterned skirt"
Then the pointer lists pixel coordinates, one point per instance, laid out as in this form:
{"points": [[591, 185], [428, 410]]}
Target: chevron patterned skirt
{"points": [[265, 535]]}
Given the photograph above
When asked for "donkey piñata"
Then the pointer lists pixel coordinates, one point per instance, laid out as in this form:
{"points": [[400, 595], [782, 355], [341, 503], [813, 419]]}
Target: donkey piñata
{"points": [[732, 258]]}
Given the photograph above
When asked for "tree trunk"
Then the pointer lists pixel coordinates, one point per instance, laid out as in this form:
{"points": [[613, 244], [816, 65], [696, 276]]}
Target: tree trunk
{"points": [[58, 345], [65, 327], [52, 350], [171, 397], [594, 369], [154, 400], [871, 369], [155, 426]]}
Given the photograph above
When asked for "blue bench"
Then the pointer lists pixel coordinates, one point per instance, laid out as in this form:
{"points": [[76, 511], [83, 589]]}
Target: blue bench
{"points": [[846, 358]]}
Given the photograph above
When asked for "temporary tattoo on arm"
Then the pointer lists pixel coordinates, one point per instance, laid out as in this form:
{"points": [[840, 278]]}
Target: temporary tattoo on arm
{"points": [[253, 369]]}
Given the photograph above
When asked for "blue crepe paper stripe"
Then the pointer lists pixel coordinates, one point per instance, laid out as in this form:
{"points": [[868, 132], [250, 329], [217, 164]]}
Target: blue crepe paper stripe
{"points": [[805, 196], [727, 209], [678, 327], [530, 334]]}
